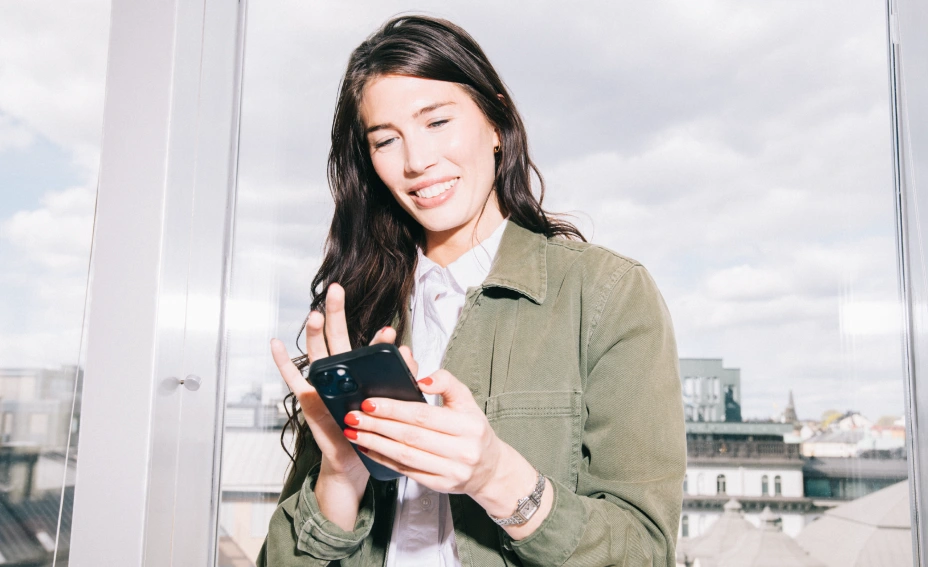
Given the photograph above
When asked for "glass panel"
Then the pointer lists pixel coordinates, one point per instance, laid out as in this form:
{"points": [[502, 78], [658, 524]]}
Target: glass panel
{"points": [[52, 74], [740, 151]]}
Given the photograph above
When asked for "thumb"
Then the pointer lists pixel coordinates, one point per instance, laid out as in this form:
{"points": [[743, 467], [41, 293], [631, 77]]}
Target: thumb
{"points": [[453, 391]]}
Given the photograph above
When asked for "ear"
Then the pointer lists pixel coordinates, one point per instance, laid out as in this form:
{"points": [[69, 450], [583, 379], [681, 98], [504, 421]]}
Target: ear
{"points": [[496, 139]]}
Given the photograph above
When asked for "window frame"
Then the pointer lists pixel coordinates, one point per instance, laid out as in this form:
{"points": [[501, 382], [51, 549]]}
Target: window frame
{"points": [[179, 63]]}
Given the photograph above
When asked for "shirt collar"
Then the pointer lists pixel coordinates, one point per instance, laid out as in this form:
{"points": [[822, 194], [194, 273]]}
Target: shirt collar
{"points": [[471, 268]]}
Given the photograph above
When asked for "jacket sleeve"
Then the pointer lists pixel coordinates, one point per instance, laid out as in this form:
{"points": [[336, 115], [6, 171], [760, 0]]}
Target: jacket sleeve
{"points": [[630, 485], [298, 534]]}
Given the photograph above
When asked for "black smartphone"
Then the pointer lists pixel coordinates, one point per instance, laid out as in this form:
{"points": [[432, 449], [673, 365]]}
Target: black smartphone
{"points": [[345, 380]]}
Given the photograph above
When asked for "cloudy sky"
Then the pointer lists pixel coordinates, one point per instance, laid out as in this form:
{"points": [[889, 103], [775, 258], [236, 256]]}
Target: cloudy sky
{"points": [[740, 150]]}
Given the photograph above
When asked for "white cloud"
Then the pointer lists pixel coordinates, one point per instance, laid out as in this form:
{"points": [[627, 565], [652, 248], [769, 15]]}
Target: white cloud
{"points": [[13, 135], [52, 68], [46, 253], [57, 235], [740, 150]]}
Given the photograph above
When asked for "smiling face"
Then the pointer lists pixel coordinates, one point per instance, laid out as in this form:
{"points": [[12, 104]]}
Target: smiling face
{"points": [[432, 147]]}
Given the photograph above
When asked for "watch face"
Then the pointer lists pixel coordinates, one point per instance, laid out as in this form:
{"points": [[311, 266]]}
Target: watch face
{"points": [[527, 508]]}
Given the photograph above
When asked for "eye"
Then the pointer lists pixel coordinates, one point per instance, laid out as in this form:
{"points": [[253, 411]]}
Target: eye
{"points": [[438, 123], [383, 143]]}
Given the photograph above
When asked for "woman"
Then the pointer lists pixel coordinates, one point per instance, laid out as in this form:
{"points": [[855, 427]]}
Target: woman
{"points": [[555, 430]]}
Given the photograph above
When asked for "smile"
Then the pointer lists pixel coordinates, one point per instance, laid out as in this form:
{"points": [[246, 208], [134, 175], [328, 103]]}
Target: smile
{"points": [[435, 190]]}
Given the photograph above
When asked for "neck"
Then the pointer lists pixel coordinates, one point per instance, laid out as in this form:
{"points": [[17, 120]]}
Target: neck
{"points": [[444, 247]]}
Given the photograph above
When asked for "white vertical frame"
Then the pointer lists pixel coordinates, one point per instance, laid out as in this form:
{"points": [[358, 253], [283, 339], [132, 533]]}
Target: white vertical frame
{"points": [[148, 468], [907, 21]]}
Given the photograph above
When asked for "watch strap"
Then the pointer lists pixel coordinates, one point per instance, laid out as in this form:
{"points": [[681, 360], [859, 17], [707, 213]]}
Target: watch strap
{"points": [[526, 506]]}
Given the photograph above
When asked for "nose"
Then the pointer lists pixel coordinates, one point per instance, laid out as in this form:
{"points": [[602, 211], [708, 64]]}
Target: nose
{"points": [[420, 155]]}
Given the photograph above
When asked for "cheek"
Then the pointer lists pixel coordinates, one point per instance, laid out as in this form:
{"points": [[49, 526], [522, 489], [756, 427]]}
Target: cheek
{"points": [[385, 168]]}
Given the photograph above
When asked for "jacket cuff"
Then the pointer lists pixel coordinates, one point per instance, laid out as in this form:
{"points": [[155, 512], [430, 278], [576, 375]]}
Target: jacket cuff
{"points": [[559, 534], [321, 538]]}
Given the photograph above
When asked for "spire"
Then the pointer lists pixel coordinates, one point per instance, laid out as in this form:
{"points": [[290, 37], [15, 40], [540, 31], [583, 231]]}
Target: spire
{"points": [[789, 414]]}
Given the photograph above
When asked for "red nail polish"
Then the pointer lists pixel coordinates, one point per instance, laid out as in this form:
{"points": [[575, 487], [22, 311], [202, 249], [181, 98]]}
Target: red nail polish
{"points": [[362, 449], [351, 433], [385, 329], [427, 381], [368, 406], [352, 419]]}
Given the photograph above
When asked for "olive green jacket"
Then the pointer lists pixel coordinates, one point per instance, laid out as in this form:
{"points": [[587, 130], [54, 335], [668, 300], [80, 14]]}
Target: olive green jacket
{"points": [[570, 349]]}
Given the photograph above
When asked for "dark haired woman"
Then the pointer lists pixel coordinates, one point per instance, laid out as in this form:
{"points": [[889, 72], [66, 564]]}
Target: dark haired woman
{"points": [[554, 433]]}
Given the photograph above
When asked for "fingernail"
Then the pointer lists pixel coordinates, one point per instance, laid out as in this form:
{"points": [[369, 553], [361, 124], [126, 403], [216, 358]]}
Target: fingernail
{"points": [[427, 381], [368, 406], [362, 449], [352, 419], [385, 329], [351, 433]]}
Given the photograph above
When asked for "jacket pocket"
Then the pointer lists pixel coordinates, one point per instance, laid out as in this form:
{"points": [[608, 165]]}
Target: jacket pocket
{"points": [[544, 426]]}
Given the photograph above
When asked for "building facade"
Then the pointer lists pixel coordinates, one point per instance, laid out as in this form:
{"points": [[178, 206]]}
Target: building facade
{"points": [[711, 392]]}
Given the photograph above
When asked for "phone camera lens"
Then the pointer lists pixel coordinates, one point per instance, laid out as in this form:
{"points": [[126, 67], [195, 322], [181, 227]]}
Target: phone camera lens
{"points": [[347, 385], [325, 379]]}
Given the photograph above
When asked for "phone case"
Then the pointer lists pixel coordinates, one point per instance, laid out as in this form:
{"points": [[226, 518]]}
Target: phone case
{"points": [[345, 380]]}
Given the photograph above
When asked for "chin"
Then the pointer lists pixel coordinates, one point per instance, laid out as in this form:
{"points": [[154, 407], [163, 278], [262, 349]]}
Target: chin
{"points": [[440, 223]]}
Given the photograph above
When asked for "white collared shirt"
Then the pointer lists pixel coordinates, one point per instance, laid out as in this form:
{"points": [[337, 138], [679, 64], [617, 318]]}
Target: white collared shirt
{"points": [[423, 532]]}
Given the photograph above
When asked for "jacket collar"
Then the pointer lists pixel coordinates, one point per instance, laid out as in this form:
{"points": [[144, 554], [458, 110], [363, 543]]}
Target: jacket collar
{"points": [[520, 263]]}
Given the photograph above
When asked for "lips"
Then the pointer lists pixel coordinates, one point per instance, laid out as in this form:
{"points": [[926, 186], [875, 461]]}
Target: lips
{"points": [[433, 190], [433, 193], [430, 188]]}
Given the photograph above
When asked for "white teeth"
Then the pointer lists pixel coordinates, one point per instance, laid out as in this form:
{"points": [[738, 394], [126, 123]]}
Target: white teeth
{"points": [[436, 190]]}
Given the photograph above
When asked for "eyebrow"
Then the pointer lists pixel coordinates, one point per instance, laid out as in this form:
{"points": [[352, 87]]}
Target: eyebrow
{"points": [[417, 114]]}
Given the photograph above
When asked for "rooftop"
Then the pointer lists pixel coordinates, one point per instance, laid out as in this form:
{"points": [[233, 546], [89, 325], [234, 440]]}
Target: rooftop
{"points": [[738, 428], [852, 467]]}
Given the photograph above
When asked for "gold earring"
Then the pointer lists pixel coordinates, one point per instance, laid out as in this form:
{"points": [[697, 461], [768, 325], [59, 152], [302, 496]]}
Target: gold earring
{"points": [[496, 149]]}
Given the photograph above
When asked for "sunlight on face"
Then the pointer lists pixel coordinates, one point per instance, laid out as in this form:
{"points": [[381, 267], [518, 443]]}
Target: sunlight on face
{"points": [[432, 147]]}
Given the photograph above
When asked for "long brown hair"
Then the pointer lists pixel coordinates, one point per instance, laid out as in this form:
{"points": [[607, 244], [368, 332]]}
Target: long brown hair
{"points": [[371, 247]]}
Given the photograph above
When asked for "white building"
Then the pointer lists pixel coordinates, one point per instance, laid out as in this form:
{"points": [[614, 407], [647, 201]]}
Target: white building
{"points": [[748, 461]]}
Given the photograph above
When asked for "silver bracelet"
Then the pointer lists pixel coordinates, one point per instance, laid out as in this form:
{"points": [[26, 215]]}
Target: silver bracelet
{"points": [[525, 507]]}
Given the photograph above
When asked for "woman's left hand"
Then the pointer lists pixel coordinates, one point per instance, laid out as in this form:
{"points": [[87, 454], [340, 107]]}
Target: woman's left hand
{"points": [[449, 448]]}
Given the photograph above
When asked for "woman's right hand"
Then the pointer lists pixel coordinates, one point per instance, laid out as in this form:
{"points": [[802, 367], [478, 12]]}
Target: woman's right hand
{"points": [[341, 468]]}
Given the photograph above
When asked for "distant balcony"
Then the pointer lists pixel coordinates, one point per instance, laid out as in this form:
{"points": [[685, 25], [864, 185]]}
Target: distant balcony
{"points": [[741, 450]]}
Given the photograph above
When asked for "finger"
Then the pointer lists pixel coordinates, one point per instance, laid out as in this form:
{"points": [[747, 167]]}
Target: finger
{"points": [[315, 340], [385, 335], [435, 442], [453, 392], [436, 482], [410, 361], [290, 373], [336, 328], [411, 457], [419, 414]]}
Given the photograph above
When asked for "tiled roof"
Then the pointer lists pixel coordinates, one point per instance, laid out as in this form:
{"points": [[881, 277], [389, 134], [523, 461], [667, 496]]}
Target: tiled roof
{"points": [[873, 531], [851, 436], [767, 547], [253, 461], [28, 528], [722, 535]]}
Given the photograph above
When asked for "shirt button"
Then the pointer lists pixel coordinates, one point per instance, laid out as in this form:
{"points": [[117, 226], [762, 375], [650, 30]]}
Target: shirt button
{"points": [[426, 502]]}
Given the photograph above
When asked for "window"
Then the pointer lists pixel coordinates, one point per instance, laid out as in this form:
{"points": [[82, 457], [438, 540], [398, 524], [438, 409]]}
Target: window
{"points": [[685, 526], [762, 178], [685, 483]]}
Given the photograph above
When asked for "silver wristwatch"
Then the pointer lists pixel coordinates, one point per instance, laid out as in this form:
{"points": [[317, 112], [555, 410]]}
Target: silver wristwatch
{"points": [[525, 507]]}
